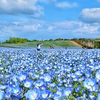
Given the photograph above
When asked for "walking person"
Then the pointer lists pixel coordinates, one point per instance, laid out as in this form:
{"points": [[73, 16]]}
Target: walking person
{"points": [[39, 47], [51, 47]]}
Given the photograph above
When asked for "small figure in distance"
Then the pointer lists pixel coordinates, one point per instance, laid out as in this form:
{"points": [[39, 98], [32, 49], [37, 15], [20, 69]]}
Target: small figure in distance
{"points": [[39, 47], [51, 47], [84, 47]]}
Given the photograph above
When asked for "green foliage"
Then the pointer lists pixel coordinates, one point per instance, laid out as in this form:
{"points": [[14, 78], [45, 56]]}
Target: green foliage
{"points": [[94, 73], [54, 80], [53, 90], [59, 42], [77, 94], [59, 39], [75, 86], [34, 41], [71, 97], [46, 40], [16, 40], [95, 94], [51, 40], [96, 45], [72, 71], [23, 98], [74, 39], [97, 39]]}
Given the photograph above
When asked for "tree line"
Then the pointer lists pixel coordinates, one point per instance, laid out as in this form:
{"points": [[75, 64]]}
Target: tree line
{"points": [[15, 40]]}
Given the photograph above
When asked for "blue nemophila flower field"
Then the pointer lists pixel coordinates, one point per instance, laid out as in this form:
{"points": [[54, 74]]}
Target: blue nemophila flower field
{"points": [[71, 74]]}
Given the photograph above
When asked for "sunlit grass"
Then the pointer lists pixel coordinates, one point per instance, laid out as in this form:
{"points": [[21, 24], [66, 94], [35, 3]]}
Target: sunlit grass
{"points": [[46, 44]]}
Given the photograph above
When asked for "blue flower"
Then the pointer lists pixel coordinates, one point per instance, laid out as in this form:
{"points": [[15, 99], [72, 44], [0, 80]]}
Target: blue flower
{"points": [[78, 88], [9, 89], [67, 92], [76, 79], [78, 73], [32, 94], [82, 78], [46, 61], [79, 98], [56, 97], [15, 78], [16, 97], [43, 87], [84, 95], [59, 92], [2, 87], [89, 83], [47, 77], [73, 75], [94, 88], [88, 74], [52, 84], [98, 96], [98, 74], [28, 83], [45, 94], [22, 76], [7, 95], [1, 95], [92, 61], [39, 83], [60, 84], [92, 97], [16, 91]]}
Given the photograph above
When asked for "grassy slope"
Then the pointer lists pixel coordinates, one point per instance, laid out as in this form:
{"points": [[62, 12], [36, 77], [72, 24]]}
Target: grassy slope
{"points": [[46, 44], [76, 43]]}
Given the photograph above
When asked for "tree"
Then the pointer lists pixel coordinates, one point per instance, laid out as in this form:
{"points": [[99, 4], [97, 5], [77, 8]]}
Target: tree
{"points": [[51, 40], [58, 39]]}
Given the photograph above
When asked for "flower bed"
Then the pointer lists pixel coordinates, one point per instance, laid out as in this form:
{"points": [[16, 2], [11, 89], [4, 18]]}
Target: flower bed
{"points": [[27, 74]]}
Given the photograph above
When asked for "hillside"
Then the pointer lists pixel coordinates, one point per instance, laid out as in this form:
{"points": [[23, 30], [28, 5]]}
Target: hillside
{"points": [[75, 43], [46, 44]]}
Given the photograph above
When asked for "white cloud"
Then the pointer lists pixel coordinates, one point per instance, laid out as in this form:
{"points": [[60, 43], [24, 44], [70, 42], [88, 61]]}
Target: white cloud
{"points": [[17, 7], [30, 7], [90, 15], [38, 29], [67, 25], [63, 5], [48, 1], [31, 27], [50, 28], [87, 28]]}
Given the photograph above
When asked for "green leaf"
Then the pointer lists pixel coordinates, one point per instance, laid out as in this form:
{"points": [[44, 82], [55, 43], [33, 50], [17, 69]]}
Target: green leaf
{"points": [[95, 94], [53, 90], [76, 85]]}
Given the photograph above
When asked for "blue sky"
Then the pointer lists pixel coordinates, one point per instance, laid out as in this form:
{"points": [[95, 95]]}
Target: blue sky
{"points": [[49, 19]]}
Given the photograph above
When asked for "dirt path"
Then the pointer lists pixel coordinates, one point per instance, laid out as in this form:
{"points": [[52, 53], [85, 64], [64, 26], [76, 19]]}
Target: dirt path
{"points": [[76, 43]]}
